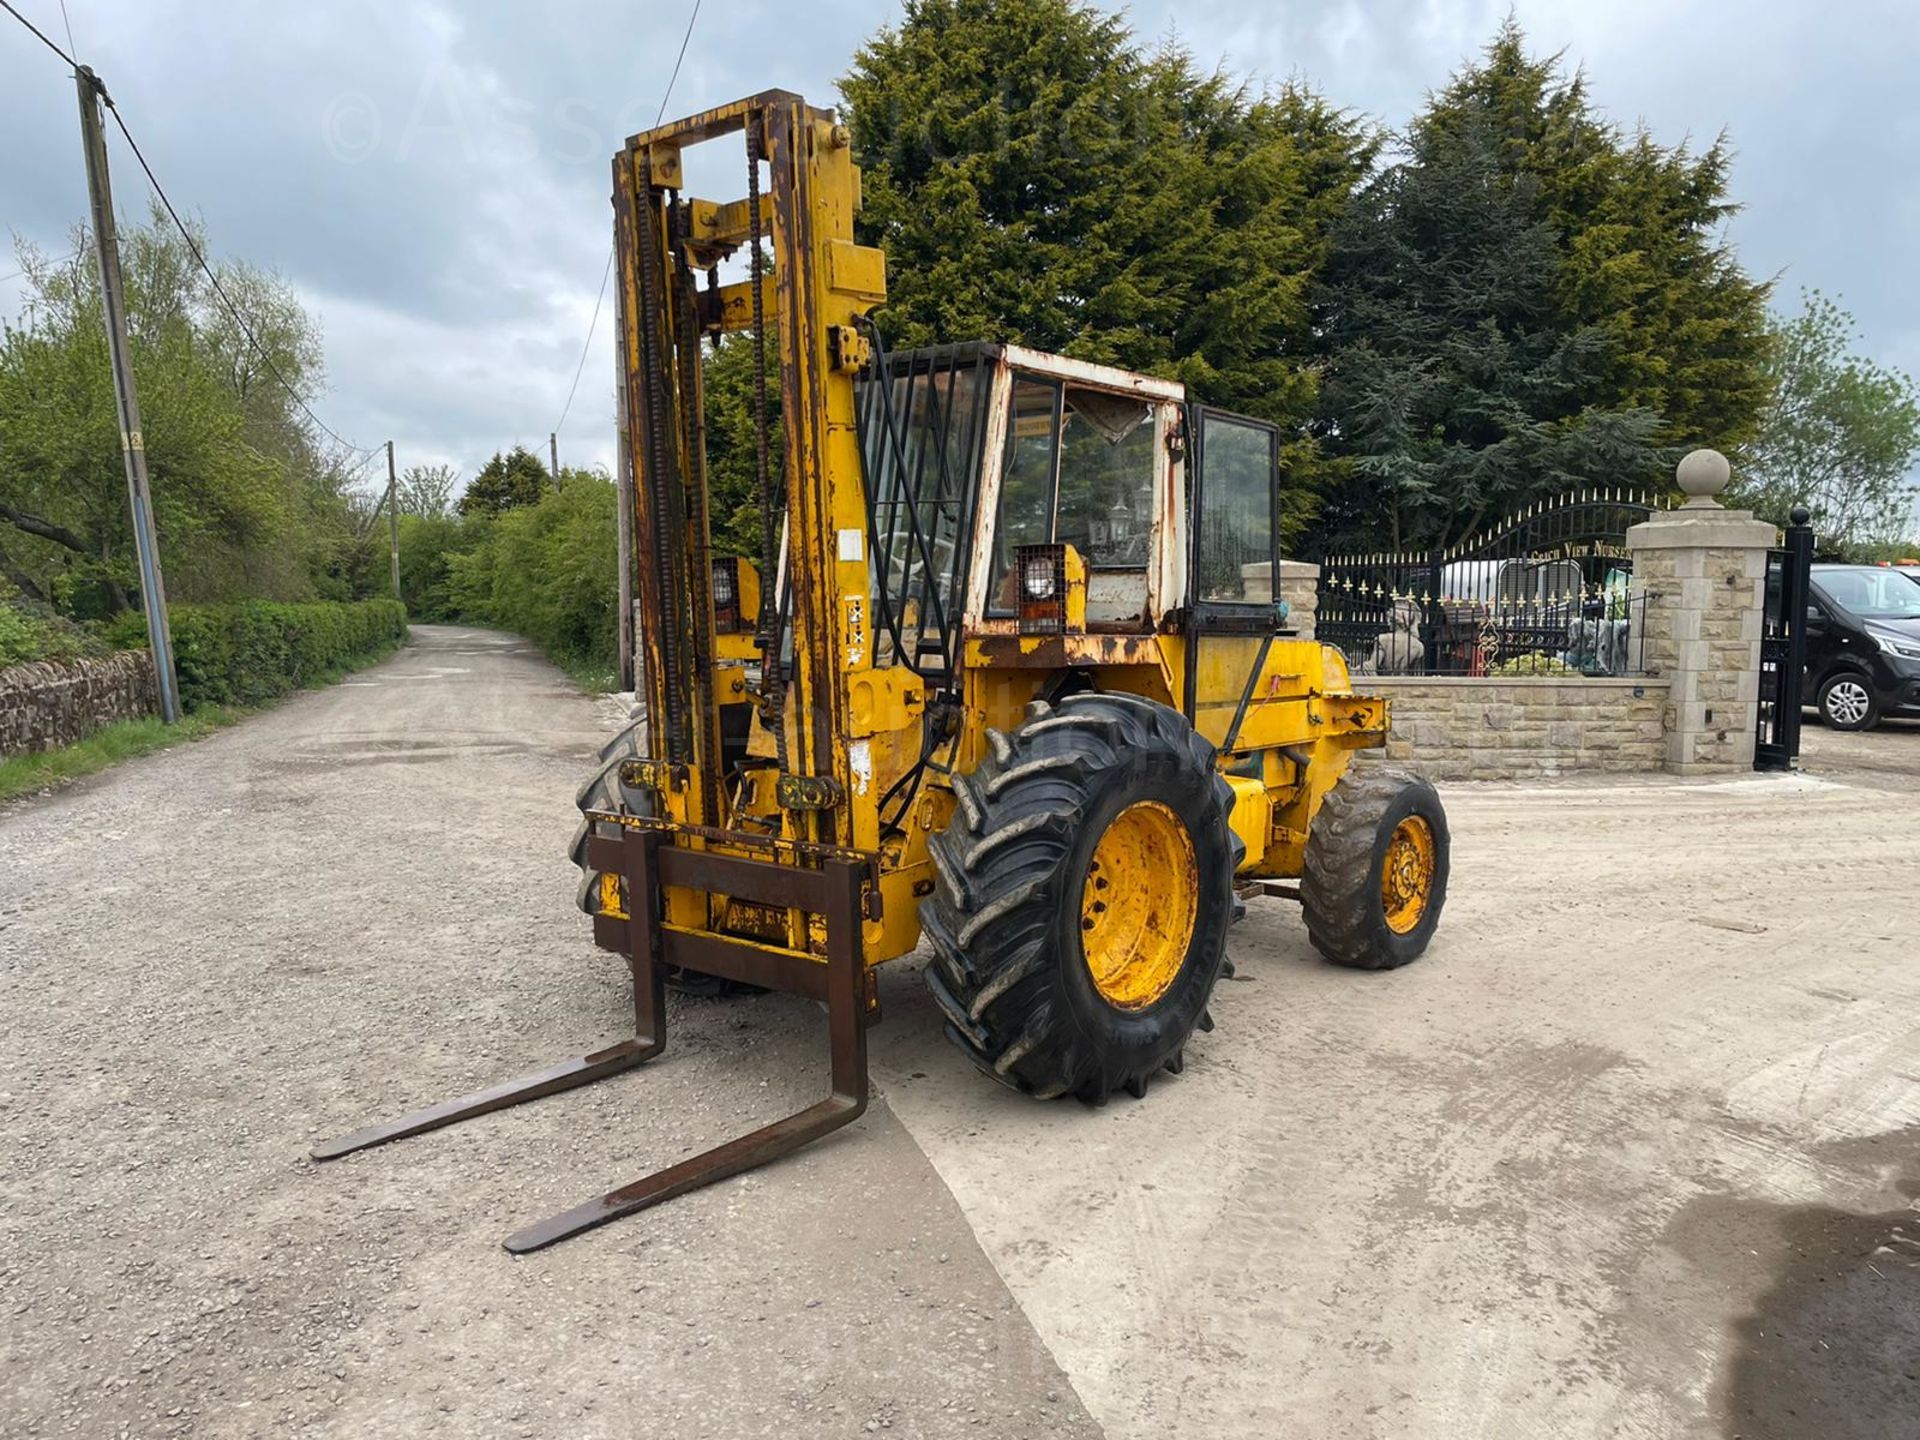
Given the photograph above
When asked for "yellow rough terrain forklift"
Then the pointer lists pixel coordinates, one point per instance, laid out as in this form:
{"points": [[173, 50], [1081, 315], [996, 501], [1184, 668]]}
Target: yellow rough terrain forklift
{"points": [[1010, 676]]}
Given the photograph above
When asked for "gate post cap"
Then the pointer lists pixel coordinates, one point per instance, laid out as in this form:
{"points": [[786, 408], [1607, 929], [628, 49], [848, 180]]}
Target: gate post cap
{"points": [[1702, 474], [1799, 516]]}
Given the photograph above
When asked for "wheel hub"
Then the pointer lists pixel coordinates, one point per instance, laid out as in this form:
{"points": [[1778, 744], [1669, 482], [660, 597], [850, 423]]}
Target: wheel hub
{"points": [[1406, 875], [1139, 904], [1847, 702]]}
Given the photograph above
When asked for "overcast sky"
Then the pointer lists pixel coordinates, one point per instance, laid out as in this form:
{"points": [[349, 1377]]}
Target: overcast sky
{"points": [[433, 177]]}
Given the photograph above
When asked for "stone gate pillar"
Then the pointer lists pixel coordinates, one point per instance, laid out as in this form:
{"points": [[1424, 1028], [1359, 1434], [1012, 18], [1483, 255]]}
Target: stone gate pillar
{"points": [[1299, 587], [1703, 569]]}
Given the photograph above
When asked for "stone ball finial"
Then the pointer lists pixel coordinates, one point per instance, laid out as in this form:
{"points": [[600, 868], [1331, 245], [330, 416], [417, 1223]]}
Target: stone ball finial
{"points": [[1702, 474]]}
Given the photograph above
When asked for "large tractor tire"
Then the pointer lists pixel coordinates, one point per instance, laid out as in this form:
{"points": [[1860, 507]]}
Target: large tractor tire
{"points": [[1084, 891], [603, 791], [1376, 869]]}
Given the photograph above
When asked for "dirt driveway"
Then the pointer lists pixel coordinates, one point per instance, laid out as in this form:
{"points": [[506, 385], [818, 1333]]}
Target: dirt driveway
{"points": [[1886, 757], [1632, 1152]]}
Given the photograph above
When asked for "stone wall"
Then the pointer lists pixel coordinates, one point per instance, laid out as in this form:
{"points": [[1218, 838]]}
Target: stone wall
{"points": [[1300, 588], [1478, 729], [55, 702]]}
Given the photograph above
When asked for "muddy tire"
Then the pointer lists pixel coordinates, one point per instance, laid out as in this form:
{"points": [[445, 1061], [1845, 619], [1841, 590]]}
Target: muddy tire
{"points": [[603, 791], [1097, 828], [1376, 869]]}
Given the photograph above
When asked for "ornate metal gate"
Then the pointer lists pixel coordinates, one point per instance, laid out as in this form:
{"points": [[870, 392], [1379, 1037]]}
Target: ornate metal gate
{"points": [[1783, 649], [1547, 590]]}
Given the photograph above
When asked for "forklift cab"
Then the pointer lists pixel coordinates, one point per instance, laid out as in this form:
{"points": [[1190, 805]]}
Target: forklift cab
{"points": [[1169, 507]]}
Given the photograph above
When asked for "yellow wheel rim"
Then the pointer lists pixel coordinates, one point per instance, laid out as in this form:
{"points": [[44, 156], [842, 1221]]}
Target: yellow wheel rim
{"points": [[1406, 875], [1138, 905]]}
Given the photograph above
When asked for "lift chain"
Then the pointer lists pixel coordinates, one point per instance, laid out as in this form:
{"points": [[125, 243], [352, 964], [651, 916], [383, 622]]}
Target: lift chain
{"points": [[664, 499], [767, 636]]}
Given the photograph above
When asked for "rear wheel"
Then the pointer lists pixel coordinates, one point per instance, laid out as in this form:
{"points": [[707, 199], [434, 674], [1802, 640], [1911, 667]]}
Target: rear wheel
{"points": [[1375, 878], [599, 893], [1847, 703], [1085, 890]]}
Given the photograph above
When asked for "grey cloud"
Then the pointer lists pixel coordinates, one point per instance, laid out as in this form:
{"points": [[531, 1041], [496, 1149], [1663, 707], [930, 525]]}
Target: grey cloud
{"points": [[433, 177]]}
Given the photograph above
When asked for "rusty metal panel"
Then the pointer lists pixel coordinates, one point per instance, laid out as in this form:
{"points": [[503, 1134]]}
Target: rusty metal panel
{"points": [[1092, 376]]}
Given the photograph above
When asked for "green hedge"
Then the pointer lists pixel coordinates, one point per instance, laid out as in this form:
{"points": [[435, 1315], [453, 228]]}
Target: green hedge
{"points": [[249, 652]]}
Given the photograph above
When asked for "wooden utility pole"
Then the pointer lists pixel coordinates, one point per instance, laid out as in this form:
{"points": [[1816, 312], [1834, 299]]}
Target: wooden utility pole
{"points": [[106, 241], [623, 493], [553, 455], [393, 519]]}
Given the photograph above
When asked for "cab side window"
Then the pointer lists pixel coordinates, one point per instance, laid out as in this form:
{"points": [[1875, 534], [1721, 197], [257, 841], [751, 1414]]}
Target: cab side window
{"points": [[1233, 546], [1026, 484]]}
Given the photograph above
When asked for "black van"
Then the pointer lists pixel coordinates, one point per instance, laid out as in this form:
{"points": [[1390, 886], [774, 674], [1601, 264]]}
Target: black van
{"points": [[1863, 644]]}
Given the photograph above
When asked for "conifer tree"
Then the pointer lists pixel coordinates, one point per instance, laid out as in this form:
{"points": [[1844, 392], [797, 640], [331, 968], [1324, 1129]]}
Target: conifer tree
{"points": [[1528, 300], [1034, 177]]}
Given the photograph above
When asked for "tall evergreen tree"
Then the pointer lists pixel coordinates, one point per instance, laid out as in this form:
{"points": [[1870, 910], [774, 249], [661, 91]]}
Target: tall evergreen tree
{"points": [[506, 482], [1528, 300], [1643, 255], [1036, 178]]}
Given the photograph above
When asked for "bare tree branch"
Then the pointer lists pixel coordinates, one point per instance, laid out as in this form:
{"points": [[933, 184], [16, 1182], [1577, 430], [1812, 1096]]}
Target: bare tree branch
{"points": [[21, 580], [45, 529]]}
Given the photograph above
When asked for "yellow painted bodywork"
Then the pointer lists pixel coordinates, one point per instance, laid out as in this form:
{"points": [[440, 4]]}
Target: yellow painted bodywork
{"points": [[1301, 724]]}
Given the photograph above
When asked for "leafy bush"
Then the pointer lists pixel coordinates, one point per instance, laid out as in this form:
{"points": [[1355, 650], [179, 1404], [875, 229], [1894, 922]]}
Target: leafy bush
{"points": [[1532, 664], [428, 545], [548, 571], [247, 653], [29, 633]]}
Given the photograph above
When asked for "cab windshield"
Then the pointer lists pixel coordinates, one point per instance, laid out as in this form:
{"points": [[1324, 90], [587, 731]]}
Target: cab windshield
{"points": [[1079, 470]]}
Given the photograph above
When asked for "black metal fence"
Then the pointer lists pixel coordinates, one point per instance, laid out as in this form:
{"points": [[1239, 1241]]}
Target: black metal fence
{"points": [[1549, 592]]}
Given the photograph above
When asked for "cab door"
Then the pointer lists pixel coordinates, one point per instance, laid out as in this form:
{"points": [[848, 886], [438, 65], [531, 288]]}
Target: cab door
{"points": [[1233, 562]]}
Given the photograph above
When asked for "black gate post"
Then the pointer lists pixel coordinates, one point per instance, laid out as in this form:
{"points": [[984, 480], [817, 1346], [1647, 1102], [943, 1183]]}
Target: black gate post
{"points": [[1783, 648], [1794, 583], [1434, 619]]}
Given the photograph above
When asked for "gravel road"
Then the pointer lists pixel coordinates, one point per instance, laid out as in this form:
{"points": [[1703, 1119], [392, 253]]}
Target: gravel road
{"points": [[359, 902]]}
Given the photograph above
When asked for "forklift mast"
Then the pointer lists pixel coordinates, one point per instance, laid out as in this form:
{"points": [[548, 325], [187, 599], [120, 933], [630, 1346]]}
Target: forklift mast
{"points": [[806, 287]]}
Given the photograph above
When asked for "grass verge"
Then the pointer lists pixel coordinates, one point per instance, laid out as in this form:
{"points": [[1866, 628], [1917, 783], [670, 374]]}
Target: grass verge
{"points": [[25, 774], [594, 677], [130, 739]]}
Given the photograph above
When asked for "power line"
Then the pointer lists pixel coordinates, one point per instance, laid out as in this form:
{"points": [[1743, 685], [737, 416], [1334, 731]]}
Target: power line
{"points": [[56, 260], [600, 299], [39, 35], [200, 259], [667, 95], [187, 235], [592, 325]]}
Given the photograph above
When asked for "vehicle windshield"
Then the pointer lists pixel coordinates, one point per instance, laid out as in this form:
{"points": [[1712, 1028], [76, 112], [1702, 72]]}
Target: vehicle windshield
{"points": [[1872, 594], [1079, 470]]}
